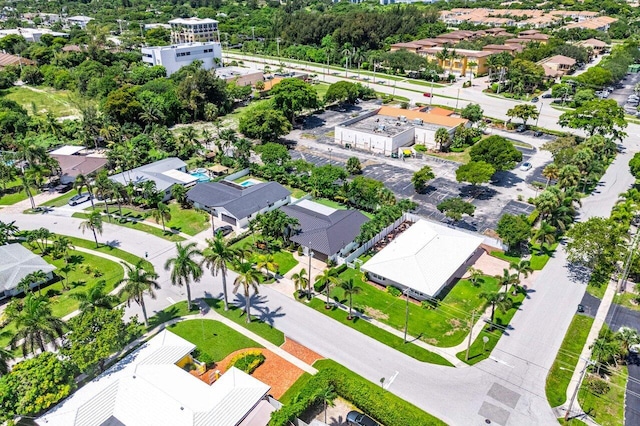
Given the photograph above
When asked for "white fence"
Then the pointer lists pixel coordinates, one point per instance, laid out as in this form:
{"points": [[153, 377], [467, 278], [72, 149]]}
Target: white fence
{"points": [[238, 175]]}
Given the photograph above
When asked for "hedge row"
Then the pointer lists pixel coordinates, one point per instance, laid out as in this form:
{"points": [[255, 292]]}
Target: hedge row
{"points": [[378, 403]]}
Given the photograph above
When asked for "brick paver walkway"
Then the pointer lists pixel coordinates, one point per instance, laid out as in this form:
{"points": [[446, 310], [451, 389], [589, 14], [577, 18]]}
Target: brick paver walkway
{"points": [[300, 352]]}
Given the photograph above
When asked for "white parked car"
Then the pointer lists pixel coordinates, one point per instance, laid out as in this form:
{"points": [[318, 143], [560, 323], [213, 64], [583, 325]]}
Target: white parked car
{"points": [[525, 166]]}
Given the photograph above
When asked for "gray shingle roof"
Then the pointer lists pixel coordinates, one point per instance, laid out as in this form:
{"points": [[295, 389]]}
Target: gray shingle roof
{"points": [[16, 262], [328, 234], [240, 202]]}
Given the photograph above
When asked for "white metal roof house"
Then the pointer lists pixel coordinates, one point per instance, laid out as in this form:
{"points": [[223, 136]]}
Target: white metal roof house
{"points": [[237, 204], [16, 262], [425, 258], [165, 173], [148, 388]]}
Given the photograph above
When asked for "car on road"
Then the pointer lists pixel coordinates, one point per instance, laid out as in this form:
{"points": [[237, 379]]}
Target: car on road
{"points": [[79, 199], [427, 94], [355, 418], [535, 99], [546, 96], [224, 230], [525, 166]]}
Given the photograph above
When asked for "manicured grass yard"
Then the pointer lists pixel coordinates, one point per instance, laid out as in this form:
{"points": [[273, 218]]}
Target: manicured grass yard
{"points": [[607, 409], [295, 389], [540, 257], [479, 351], [338, 206], [158, 232], [46, 99], [559, 378], [572, 422], [15, 192], [443, 326], [504, 256], [212, 337], [234, 313], [321, 88], [283, 258], [61, 200], [189, 221], [116, 252]]}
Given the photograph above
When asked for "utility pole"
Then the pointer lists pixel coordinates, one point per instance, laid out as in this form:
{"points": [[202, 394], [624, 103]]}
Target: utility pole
{"points": [[309, 280], [539, 112], [406, 316], [457, 99], [431, 97], [473, 319], [575, 392], [253, 33], [278, 45]]}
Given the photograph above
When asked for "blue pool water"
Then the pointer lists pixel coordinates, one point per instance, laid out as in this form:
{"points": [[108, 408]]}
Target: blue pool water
{"points": [[202, 177], [247, 183]]}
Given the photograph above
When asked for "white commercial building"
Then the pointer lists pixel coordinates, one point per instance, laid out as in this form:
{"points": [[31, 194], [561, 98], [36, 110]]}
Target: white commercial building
{"points": [[190, 30], [151, 386], [31, 35], [240, 76], [80, 21], [425, 258], [177, 56], [386, 130]]}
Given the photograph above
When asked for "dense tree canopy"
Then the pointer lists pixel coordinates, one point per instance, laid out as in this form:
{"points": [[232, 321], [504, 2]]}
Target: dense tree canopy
{"points": [[292, 95], [604, 117], [497, 151]]}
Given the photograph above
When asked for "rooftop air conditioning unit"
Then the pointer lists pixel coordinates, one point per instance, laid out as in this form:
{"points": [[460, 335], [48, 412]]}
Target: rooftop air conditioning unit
{"points": [[417, 121], [402, 118]]}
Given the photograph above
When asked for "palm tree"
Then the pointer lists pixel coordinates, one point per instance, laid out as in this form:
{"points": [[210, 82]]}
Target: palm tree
{"points": [[5, 357], [471, 66], [627, 337], [569, 176], [35, 325], [267, 262], [216, 257], [82, 182], [551, 172], [184, 268], [358, 56], [346, 52], [506, 279], [603, 350], [62, 245], [327, 395], [95, 298], [475, 275], [349, 289], [328, 278], [441, 138], [546, 234], [65, 270], [161, 213], [27, 154], [248, 277], [106, 188], [137, 282], [300, 280], [443, 55], [497, 299], [94, 223], [523, 267]]}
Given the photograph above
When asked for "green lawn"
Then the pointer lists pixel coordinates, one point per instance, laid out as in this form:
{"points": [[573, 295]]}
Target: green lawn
{"points": [[295, 389], [116, 252], [560, 374], [445, 326], [189, 221], [628, 300], [479, 351], [338, 206], [158, 232], [15, 192], [235, 314], [504, 256], [61, 200], [461, 157], [540, 257], [572, 422], [380, 335], [46, 99], [321, 88], [607, 409], [296, 192], [283, 258], [212, 337]]}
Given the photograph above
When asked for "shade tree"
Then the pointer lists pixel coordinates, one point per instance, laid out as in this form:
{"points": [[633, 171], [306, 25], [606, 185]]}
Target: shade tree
{"points": [[497, 151], [455, 208]]}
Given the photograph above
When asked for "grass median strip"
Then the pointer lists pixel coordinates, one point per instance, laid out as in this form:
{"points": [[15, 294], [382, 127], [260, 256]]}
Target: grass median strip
{"points": [[139, 227], [115, 252], [560, 374], [380, 335]]}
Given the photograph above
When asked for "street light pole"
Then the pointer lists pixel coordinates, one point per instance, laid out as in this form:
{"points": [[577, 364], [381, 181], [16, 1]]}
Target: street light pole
{"points": [[473, 318], [539, 112], [330, 150], [406, 316], [309, 279], [457, 99], [575, 392]]}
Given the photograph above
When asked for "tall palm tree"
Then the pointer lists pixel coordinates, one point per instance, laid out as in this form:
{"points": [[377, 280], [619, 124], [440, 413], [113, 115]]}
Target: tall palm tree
{"points": [[328, 278], [5, 357], [349, 288], [506, 279], [249, 278], [441, 138], [522, 268], [36, 326], [216, 257], [62, 245], [94, 223], [546, 234], [328, 395], [443, 55], [267, 262], [497, 300], [184, 268], [106, 188], [552, 171], [137, 283], [569, 176], [300, 280], [95, 297], [83, 182], [475, 275], [38, 276], [603, 350], [28, 153], [161, 213]]}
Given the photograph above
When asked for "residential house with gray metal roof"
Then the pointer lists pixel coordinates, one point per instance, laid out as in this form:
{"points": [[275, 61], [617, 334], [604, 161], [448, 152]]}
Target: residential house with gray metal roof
{"points": [[16, 262]]}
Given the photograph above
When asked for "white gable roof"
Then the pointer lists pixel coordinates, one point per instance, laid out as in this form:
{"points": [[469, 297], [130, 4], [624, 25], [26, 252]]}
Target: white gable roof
{"points": [[147, 388], [67, 150], [424, 256], [16, 262]]}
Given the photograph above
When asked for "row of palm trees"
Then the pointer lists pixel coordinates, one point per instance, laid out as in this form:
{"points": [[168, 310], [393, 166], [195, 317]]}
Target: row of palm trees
{"points": [[501, 299], [328, 279]]}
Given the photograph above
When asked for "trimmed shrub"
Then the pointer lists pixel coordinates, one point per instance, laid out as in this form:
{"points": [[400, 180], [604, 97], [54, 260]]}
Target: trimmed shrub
{"points": [[247, 361], [597, 386], [533, 217], [420, 148], [394, 291]]}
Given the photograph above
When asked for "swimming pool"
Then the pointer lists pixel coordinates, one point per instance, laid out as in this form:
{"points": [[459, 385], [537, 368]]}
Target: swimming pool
{"points": [[247, 183], [202, 177]]}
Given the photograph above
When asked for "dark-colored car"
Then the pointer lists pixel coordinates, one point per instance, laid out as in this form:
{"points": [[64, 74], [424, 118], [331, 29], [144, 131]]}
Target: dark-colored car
{"points": [[78, 199], [356, 418], [535, 99], [537, 134], [225, 230], [521, 128], [547, 96], [580, 308]]}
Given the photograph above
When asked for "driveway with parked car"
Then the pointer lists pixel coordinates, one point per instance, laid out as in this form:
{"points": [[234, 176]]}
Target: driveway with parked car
{"points": [[79, 199]]}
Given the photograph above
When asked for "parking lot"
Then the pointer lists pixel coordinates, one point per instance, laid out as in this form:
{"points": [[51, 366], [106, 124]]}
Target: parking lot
{"points": [[621, 95]]}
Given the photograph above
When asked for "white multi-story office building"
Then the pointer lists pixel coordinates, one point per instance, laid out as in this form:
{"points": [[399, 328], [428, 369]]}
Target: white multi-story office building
{"points": [[190, 30], [177, 56]]}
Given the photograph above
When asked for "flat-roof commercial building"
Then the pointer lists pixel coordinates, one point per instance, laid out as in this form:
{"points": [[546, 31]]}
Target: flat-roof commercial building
{"points": [[177, 56], [386, 130], [190, 30], [151, 387], [425, 258], [240, 76]]}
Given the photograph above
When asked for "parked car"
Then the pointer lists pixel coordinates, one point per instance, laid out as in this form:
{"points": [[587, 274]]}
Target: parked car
{"points": [[356, 418], [79, 199], [525, 166], [537, 134], [63, 187], [535, 99], [580, 308], [427, 94], [224, 230], [546, 96], [521, 128]]}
